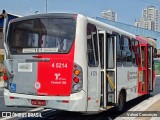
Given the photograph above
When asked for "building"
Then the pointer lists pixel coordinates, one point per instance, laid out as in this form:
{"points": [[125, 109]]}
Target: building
{"points": [[151, 13], [149, 19], [110, 15], [148, 24]]}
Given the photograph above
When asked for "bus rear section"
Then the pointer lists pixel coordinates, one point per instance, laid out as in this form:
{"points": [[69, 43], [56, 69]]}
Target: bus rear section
{"points": [[40, 67]]}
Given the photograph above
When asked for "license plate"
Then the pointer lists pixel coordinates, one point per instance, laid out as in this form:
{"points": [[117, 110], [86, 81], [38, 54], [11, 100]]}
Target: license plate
{"points": [[38, 102]]}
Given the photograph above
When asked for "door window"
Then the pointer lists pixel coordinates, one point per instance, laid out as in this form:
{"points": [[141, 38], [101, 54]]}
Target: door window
{"points": [[92, 45], [110, 52], [101, 48]]}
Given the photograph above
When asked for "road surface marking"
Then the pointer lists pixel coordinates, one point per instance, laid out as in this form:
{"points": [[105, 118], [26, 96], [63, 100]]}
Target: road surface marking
{"points": [[37, 109]]}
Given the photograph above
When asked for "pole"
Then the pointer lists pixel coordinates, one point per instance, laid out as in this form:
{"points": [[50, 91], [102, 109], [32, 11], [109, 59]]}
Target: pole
{"points": [[46, 6]]}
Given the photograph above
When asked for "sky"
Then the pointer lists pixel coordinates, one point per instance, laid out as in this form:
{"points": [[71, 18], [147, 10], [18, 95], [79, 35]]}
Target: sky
{"points": [[128, 10]]}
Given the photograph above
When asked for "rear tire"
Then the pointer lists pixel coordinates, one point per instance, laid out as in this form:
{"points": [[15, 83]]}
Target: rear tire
{"points": [[121, 103]]}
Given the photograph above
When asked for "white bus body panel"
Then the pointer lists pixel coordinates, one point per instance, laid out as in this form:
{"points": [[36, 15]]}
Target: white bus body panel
{"points": [[91, 85], [127, 78]]}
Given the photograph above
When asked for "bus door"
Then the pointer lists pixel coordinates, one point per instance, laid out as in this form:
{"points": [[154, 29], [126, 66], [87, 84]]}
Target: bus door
{"points": [[107, 44], [93, 68], [143, 70], [150, 69]]}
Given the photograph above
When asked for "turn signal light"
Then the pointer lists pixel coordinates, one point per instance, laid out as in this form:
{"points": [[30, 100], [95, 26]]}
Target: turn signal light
{"points": [[76, 79], [76, 72], [5, 77]]}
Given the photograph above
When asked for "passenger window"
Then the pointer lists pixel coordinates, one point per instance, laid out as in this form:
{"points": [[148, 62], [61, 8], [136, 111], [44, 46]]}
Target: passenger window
{"points": [[136, 42], [149, 57], [133, 53], [138, 50], [119, 51], [126, 51], [92, 45]]}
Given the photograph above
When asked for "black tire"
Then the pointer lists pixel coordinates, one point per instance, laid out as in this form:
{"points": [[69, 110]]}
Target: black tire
{"points": [[121, 103]]}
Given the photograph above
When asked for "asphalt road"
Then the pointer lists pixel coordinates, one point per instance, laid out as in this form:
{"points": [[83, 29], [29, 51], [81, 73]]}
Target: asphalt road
{"points": [[62, 115], [4, 108]]}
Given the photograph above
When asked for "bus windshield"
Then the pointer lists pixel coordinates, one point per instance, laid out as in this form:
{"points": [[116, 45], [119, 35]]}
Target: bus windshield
{"points": [[41, 35]]}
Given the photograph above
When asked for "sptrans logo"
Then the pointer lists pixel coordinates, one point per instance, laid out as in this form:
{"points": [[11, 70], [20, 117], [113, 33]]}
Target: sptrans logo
{"points": [[57, 75]]}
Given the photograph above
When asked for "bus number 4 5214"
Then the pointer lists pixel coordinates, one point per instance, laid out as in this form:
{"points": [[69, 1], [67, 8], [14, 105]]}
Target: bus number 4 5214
{"points": [[59, 65]]}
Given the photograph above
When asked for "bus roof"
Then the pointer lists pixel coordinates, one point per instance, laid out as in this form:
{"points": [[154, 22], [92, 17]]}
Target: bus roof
{"points": [[142, 39], [58, 15]]}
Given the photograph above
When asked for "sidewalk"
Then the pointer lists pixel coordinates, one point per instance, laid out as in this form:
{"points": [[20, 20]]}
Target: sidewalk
{"points": [[149, 107]]}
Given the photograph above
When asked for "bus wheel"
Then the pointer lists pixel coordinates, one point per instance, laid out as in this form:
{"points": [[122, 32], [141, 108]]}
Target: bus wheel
{"points": [[121, 102]]}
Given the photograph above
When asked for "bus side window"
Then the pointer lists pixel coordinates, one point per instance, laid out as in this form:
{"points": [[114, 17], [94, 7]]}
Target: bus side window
{"points": [[119, 51], [133, 53], [126, 52], [138, 52], [92, 45], [149, 57]]}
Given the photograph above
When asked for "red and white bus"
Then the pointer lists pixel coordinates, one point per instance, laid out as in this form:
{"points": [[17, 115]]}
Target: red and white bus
{"points": [[72, 62]]}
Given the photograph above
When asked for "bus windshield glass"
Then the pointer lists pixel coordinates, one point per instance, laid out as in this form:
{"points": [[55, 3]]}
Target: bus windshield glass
{"points": [[42, 35]]}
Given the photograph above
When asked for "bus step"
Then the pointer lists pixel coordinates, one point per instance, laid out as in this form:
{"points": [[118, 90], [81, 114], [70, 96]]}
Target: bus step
{"points": [[102, 108], [111, 92], [111, 104], [108, 107]]}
